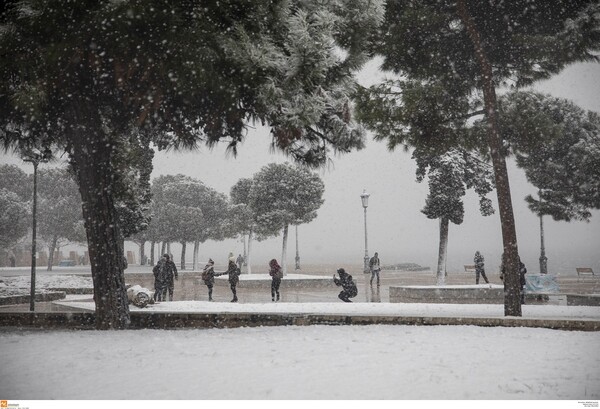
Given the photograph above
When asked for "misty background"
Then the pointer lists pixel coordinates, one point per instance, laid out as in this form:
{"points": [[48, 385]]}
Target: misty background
{"points": [[396, 227]]}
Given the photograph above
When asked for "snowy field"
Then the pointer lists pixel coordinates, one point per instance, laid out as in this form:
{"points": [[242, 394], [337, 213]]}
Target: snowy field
{"points": [[317, 362]]}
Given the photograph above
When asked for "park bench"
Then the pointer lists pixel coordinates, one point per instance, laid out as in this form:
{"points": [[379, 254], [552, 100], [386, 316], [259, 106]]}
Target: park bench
{"points": [[469, 268], [584, 272]]}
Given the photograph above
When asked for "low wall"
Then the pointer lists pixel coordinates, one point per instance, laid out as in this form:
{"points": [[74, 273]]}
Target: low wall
{"points": [[85, 320], [39, 297], [448, 295]]}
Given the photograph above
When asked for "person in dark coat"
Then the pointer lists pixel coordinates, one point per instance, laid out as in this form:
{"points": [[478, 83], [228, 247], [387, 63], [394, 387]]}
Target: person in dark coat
{"points": [[348, 285], [375, 267], [479, 268], [239, 261], [170, 276], [234, 277], [276, 273], [208, 276], [522, 272], [522, 280], [160, 279]]}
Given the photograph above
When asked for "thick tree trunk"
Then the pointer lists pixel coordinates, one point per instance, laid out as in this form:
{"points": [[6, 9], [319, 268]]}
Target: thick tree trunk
{"points": [[51, 250], [183, 246], [91, 155], [152, 245], [248, 266], [284, 249], [512, 287], [169, 250], [163, 249], [142, 252], [443, 251], [195, 255], [245, 252]]}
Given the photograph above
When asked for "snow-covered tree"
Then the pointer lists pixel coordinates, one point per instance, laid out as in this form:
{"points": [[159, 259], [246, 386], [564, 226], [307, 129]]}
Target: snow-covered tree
{"points": [[557, 144], [80, 74], [460, 49], [186, 210], [14, 179], [59, 210], [15, 219], [450, 175], [283, 194], [245, 219]]}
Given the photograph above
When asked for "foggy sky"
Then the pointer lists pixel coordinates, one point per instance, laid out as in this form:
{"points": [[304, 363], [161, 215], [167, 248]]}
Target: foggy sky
{"points": [[396, 227]]}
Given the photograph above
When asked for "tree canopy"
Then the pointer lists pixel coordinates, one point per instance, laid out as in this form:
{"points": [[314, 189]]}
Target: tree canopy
{"points": [[80, 74]]}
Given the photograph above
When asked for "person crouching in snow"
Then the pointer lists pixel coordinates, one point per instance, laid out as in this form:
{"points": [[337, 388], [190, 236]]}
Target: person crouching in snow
{"points": [[348, 285], [277, 274], [208, 276]]}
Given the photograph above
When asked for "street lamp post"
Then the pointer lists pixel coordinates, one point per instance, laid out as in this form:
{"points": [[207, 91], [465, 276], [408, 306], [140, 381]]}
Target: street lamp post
{"points": [[365, 203], [35, 157]]}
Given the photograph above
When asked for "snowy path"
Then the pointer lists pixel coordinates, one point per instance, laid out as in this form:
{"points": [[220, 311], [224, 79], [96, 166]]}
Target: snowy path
{"points": [[317, 362]]}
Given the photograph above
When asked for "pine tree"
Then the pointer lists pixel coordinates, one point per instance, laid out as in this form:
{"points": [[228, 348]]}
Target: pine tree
{"points": [[458, 48], [284, 195], [79, 75], [450, 175]]}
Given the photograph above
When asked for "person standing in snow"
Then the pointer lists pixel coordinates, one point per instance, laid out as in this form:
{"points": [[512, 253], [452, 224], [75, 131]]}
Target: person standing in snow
{"points": [[479, 267], [239, 261], [522, 279], [170, 276], [375, 267], [208, 276], [277, 274], [349, 289], [234, 277], [160, 279]]}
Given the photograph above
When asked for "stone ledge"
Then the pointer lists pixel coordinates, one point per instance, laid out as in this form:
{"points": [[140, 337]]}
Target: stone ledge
{"points": [[447, 295], [39, 297], [85, 320]]}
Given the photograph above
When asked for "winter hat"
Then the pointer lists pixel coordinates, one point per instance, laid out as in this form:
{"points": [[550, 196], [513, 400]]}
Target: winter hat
{"points": [[210, 261], [341, 270], [167, 256]]}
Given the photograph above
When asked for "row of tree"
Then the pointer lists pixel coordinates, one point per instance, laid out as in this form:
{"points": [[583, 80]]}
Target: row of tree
{"points": [[100, 80], [58, 214], [182, 209], [185, 210]]}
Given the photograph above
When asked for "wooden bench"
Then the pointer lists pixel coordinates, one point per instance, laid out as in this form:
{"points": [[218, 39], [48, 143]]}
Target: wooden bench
{"points": [[469, 268], [584, 272]]}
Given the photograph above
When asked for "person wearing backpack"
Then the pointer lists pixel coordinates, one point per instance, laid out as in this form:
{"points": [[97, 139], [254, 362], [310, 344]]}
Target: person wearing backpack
{"points": [[276, 273], [349, 289], [208, 276]]}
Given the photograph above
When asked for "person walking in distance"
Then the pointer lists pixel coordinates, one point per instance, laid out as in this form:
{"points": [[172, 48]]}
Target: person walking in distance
{"points": [[479, 267], [276, 272], [375, 267], [349, 289], [208, 276], [239, 261], [170, 274]]}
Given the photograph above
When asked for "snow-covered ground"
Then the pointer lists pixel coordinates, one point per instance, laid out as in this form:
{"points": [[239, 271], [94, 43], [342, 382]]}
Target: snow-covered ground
{"points": [[312, 362], [357, 308], [47, 281], [316, 362]]}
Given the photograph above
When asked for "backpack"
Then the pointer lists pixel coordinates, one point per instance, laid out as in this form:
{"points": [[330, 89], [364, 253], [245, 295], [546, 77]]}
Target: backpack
{"points": [[279, 273], [205, 275]]}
